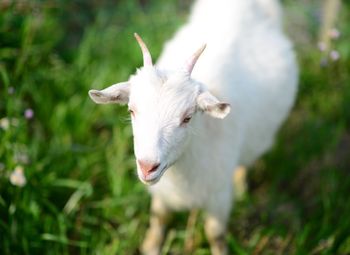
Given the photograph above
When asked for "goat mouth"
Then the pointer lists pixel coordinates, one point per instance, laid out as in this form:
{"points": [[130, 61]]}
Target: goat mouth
{"points": [[151, 180]]}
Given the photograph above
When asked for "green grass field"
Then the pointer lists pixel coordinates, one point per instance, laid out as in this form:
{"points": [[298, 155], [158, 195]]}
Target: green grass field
{"points": [[81, 195]]}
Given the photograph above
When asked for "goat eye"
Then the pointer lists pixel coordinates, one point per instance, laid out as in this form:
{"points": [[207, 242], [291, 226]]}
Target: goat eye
{"points": [[186, 120]]}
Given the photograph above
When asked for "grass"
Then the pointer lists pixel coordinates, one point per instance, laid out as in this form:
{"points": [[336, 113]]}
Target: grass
{"points": [[81, 194]]}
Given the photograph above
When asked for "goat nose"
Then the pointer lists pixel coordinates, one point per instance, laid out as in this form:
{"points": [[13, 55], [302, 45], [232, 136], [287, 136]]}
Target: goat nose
{"points": [[147, 167]]}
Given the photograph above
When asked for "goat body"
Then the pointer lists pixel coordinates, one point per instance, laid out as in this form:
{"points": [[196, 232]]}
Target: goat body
{"points": [[250, 64]]}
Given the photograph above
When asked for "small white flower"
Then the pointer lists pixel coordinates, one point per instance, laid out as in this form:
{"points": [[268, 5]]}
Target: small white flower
{"points": [[17, 177], [4, 123], [29, 114], [334, 55], [334, 33]]}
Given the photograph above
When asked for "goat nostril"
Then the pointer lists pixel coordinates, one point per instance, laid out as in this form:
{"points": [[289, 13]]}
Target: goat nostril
{"points": [[154, 168], [147, 167]]}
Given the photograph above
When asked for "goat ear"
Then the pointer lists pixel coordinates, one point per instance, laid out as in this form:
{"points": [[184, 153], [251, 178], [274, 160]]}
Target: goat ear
{"points": [[115, 94], [212, 106]]}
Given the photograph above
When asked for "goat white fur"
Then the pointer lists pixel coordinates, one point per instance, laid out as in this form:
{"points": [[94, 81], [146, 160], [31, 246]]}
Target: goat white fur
{"points": [[248, 64]]}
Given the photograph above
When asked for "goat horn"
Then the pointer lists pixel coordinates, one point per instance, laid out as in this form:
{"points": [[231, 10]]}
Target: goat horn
{"points": [[193, 59], [147, 59]]}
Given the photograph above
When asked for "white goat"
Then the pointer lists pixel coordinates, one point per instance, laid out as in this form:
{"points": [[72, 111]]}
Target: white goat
{"points": [[186, 156]]}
